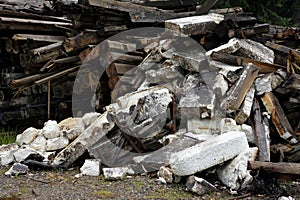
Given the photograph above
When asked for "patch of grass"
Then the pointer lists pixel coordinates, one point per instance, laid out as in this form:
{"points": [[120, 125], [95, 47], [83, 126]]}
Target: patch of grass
{"points": [[104, 194], [7, 136]]}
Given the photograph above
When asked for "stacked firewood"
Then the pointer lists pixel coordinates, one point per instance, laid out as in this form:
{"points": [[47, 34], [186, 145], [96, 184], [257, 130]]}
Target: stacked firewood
{"points": [[43, 44]]}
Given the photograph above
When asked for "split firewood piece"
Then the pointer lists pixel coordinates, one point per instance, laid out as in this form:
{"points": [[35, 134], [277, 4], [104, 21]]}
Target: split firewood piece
{"points": [[236, 95], [81, 40], [283, 168], [118, 69], [279, 118], [262, 135], [237, 60]]}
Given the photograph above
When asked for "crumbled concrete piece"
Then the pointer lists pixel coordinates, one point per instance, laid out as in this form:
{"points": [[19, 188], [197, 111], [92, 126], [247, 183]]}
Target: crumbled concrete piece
{"points": [[27, 136], [166, 174], [245, 110], [248, 48], [84, 141], [6, 153], [209, 153], [22, 154], [162, 75], [17, 169], [89, 118], [91, 167], [194, 25], [57, 143], [114, 174], [199, 185], [71, 128], [269, 82], [235, 174], [51, 129], [39, 144]]}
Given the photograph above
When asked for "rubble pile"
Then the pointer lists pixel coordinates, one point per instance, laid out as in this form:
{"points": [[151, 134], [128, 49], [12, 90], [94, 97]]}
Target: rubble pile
{"points": [[225, 101]]}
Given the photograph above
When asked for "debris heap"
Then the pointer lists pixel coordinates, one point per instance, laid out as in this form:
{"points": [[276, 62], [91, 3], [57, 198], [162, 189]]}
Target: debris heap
{"points": [[215, 92]]}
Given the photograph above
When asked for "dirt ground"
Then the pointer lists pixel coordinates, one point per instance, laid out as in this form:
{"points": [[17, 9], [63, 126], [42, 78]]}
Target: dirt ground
{"points": [[55, 184]]}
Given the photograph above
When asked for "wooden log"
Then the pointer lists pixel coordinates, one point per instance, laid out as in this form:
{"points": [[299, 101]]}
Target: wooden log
{"points": [[47, 49], [125, 58], [28, 79], [43, 38], [261, 135], [279, 118], [283, 168], [242, 61]]}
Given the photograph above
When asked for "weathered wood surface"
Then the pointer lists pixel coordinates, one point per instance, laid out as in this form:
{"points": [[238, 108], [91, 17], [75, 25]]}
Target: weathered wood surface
{"points": [[283, 168]]}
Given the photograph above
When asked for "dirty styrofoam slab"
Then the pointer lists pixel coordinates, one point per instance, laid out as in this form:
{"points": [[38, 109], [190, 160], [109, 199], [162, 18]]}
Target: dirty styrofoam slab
{"points": [[195, 25], [207, 154]]}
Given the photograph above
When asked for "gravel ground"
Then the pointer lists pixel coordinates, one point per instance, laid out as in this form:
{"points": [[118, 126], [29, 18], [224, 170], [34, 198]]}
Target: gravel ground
{"points": [[63, 185]]}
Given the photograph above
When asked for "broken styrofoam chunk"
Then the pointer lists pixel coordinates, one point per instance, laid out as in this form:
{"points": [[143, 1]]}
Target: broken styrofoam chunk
{"points": [[22, 154], [27, 136], [114, 174], [91, 167], [6, 153], [51, 129], [199, 185], [153, 161], [203, 126], [71, 128], [235, 174], [269, 82], [17, 169], [166, 174], [247, 48], [285, 198], [221, 85], [248, 130], [89, 118], [84, 141], [194, 25], [228, 125], [209, 153], [39, 144], [57, 143]]}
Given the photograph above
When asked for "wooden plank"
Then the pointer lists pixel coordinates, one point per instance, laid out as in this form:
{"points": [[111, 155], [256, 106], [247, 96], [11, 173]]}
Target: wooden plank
{"points": [[279, 118], [236, 95], [283, 168], [261, 135]]}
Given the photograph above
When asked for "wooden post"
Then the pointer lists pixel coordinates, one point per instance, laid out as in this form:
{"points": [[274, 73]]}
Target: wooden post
{"points": [[49, 99]]}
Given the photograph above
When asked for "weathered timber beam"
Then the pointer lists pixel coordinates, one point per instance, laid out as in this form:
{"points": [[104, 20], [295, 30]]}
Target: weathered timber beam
{"points": [[283, 168], [43, 38], [279, 118], [261, 135], [236, 95]]}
